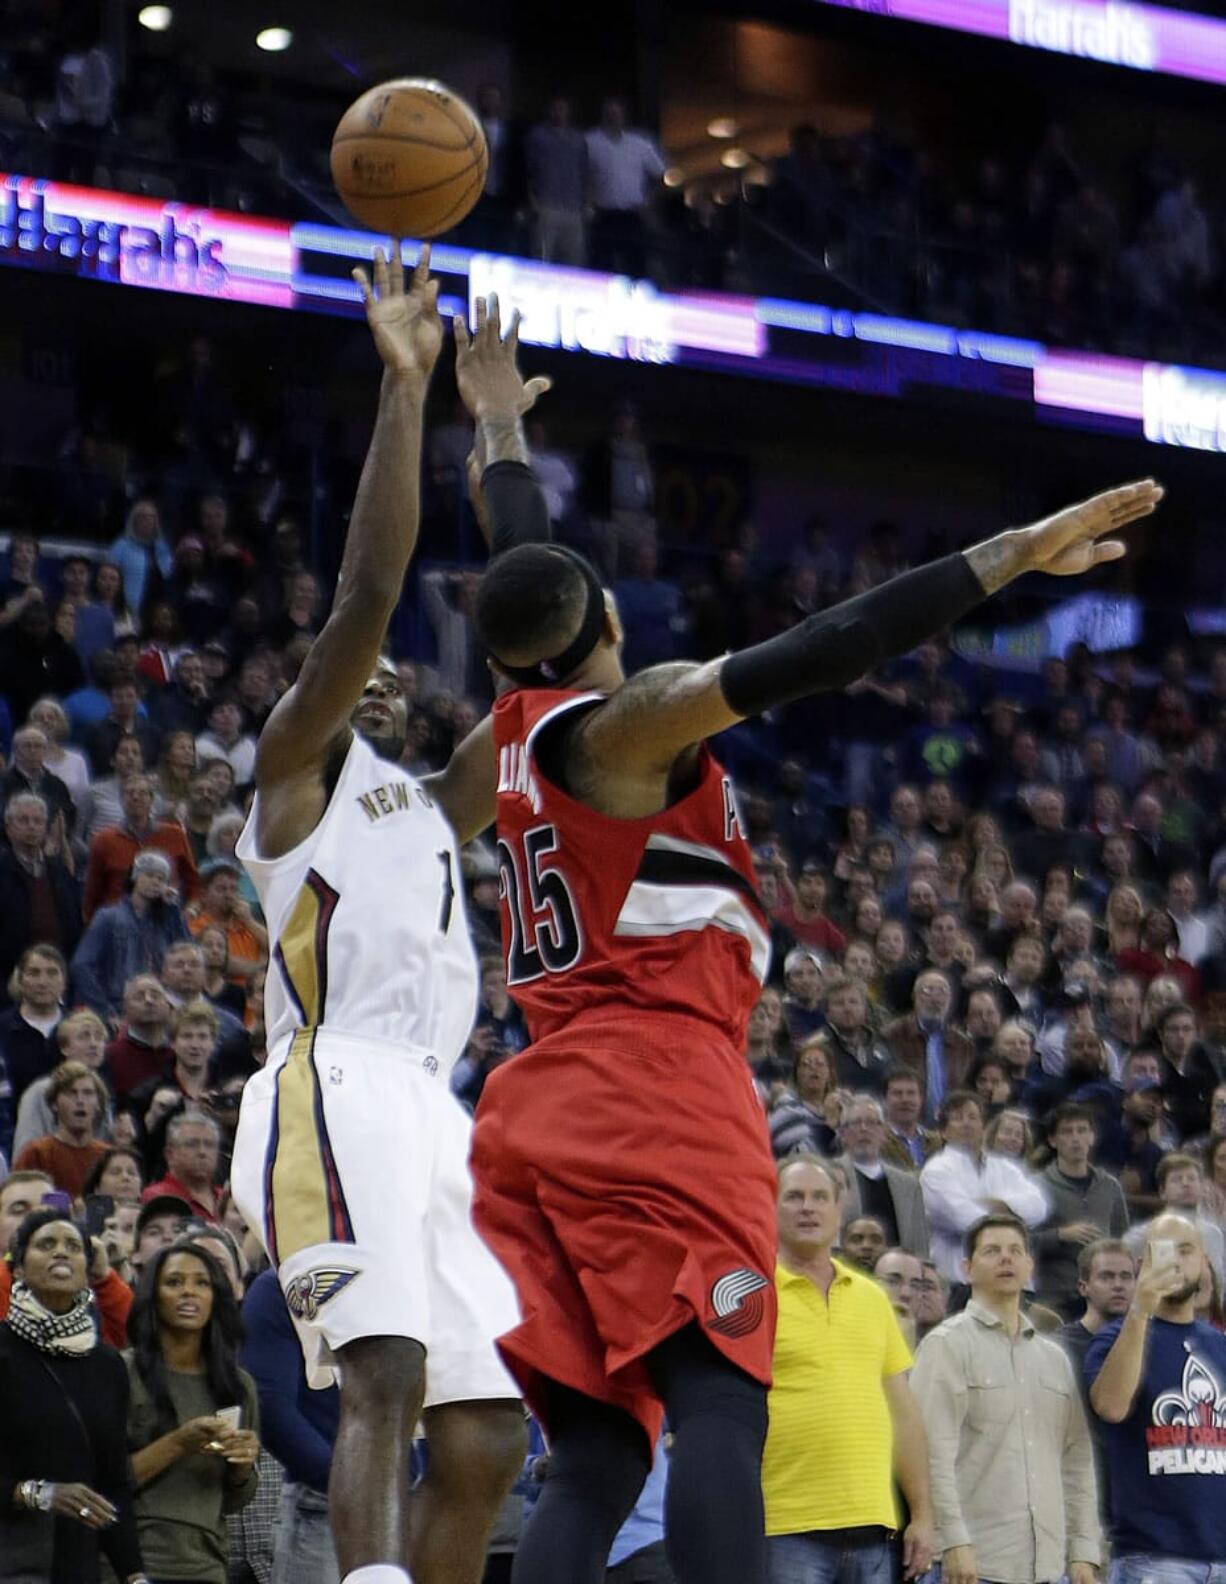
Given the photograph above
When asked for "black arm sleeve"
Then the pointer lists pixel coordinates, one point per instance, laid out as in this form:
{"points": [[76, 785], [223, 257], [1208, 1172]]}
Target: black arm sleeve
{"points": [[834, 648], [516, 502]]}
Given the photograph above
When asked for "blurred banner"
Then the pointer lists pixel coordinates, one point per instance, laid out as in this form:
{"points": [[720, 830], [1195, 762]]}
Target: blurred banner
{"points": [[89, 234], [1143, 37]]}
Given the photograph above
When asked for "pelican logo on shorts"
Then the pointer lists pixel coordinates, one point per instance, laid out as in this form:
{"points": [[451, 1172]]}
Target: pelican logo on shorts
{"points": [[306, 1295], [738, 1303], [430, 1063]]}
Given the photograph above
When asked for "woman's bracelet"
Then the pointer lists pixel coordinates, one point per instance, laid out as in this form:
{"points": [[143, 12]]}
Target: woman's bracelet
{"points": [[36, 1495]]}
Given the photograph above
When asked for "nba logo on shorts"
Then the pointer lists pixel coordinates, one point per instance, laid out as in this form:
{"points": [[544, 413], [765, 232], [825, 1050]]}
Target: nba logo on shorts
{"points": [[430, 1064], [738, 1303]]}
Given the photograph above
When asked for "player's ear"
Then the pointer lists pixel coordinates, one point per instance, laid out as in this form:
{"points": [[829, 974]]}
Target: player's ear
{"points": [[613, 630]]}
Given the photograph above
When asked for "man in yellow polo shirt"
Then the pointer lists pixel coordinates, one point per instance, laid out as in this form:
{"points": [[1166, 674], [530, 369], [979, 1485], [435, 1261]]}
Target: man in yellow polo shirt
{"points": [[843, 1423]]}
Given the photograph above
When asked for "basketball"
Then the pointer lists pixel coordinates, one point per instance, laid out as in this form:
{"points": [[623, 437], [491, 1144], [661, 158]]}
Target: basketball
{"points": [[409, 158]]}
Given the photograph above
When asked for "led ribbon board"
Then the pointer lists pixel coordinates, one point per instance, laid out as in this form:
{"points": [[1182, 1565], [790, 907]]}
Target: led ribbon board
{"points": [[1142, 37], [86, 233]]}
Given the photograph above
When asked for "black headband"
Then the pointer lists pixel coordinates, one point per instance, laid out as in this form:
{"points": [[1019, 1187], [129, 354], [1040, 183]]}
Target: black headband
{"points": [[556, 668]]}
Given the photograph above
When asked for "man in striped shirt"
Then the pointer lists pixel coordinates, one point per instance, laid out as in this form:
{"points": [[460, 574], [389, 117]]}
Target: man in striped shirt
{"points": [[843, 1423]]}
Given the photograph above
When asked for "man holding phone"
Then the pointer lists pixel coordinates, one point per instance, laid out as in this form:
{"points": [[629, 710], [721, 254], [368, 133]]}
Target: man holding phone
{"points": [[1157, 1383]]}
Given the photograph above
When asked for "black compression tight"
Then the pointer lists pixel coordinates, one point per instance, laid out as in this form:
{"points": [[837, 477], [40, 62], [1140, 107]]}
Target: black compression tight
{"points": [[599, 1460]]}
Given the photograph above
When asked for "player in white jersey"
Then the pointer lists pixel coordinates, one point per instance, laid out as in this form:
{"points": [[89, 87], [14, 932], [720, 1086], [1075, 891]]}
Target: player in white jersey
{"points": [[351, 1154]]}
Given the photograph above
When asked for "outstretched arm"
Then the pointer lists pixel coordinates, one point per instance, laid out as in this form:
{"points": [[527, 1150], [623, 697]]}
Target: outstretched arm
{"points": [[647, 722], [312, 720]]}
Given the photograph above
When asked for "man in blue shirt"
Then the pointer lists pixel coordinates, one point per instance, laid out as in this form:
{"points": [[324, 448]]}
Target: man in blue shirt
{"points": [[1157, 1384], [298, 1426]]}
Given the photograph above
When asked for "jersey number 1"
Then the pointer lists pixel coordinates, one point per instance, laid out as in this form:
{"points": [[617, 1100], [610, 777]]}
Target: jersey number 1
{"points": [[544, 934], [444, 912]]}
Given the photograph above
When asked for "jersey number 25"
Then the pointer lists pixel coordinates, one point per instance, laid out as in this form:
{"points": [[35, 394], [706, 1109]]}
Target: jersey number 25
{"points": [[544, 933]]}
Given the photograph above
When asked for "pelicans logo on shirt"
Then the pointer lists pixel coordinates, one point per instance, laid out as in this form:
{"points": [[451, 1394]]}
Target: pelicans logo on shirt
{"points": [[1188, 1433], [306, 1295]]}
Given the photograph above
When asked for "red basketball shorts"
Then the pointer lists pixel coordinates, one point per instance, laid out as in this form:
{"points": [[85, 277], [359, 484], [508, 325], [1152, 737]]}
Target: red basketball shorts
{"points": [[623, 1177]]}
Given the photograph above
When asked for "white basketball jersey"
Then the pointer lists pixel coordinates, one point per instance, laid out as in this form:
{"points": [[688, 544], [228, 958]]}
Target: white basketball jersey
{"points": [[366, 922]]}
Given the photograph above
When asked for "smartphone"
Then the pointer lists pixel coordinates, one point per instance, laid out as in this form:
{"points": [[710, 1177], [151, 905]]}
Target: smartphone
{"points": [[56, 1199], [98, 1210], [232, 1418], [1164, 1252]]}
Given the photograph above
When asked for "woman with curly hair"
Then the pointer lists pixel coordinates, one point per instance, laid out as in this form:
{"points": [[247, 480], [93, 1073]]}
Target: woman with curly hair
{"points": [[193, 1421], [804, 1117]]}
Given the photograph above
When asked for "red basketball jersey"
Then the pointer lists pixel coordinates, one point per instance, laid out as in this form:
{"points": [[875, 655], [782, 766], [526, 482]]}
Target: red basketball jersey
{"points": [[610, 917]]}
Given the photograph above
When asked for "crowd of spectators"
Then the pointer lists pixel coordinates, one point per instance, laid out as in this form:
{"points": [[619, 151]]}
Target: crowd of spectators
{"points": [[1057, 245]]}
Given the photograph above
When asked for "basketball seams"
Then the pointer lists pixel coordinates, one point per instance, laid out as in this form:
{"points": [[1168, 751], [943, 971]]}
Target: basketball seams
{"points": [[460, 202], [472, 131], [458, 208], [400, 137], [413, 192]]}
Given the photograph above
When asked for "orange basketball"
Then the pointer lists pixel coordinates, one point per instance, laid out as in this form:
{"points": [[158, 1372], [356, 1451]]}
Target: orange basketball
{"points": [[409, 158]]}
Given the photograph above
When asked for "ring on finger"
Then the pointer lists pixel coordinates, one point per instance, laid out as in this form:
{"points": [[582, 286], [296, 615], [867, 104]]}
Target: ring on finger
{"points": [[84, 1512]]}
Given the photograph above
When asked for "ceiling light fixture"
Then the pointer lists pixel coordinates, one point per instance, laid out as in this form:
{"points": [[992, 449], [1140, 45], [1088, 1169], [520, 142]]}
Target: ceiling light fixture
{"points": [[157, 18], [674, 176], [274, 39], [722, 127], [735, 159]]}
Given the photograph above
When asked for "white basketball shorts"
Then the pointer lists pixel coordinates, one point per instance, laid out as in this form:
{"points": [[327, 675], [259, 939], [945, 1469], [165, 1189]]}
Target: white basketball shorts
{"points": [[351, 1165]]}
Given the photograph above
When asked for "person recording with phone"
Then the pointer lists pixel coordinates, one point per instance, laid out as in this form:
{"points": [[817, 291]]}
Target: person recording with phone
{"points": [[65, 1488], [193, 1425], [1157, 1381]]}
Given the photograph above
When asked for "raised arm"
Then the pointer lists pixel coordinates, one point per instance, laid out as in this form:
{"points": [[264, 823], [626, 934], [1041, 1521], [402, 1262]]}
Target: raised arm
{"points": [[308, 725], [508, 502], [510, 509], [647, 722]]}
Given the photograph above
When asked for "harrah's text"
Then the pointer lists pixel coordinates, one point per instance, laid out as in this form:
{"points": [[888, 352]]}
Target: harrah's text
{"points": [[109, 250], [1111, 32]]}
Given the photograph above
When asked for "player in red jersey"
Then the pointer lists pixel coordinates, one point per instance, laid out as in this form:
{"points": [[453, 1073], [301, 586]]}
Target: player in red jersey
{"points": [[622, 1169]]}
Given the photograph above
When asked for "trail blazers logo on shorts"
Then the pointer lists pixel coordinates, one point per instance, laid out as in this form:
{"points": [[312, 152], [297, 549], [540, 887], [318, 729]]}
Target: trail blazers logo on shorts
{"points": [[737, 1302], [306, 1295]]}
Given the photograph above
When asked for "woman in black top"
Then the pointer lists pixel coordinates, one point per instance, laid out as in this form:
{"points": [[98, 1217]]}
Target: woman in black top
{"points": [[65, 1484]]}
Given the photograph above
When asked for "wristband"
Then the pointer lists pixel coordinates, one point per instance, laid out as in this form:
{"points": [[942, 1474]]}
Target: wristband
{"points": [[36, 1495]]}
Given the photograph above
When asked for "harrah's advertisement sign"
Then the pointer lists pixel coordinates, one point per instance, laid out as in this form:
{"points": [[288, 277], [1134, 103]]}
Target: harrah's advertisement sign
{"points": [[1141, 37], [90, 234], [1117, 34], [143, 242]]}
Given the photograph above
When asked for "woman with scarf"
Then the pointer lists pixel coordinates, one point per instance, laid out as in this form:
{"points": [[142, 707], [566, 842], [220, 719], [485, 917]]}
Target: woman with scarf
{"points": [[65, 1486]]}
